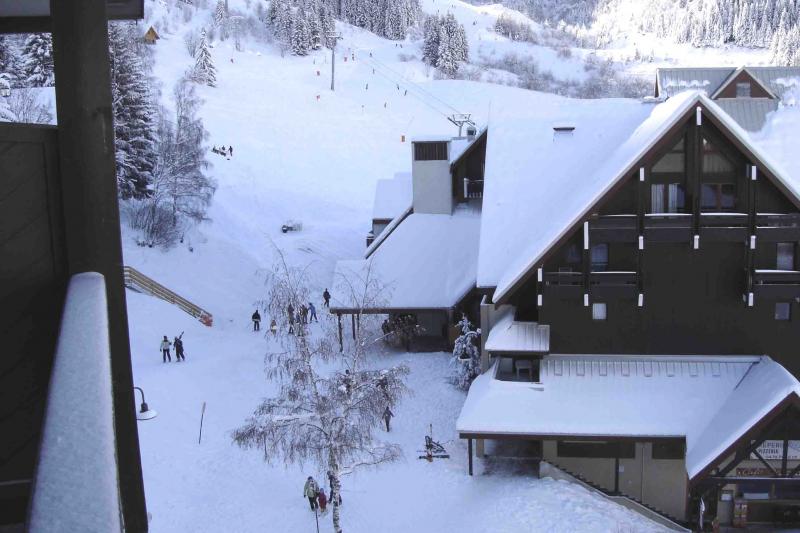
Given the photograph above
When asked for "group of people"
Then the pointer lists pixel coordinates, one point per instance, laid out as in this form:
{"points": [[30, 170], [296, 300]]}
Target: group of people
{"points": [[317, 499], [297, 317], [400, 329], [227, 152], [177, 343]]}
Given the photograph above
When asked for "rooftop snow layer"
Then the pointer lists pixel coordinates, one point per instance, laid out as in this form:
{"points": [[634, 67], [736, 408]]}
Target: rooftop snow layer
{"points": [[510, 336], [392, 197], [428, 262], [711, 401], [610, 141]]}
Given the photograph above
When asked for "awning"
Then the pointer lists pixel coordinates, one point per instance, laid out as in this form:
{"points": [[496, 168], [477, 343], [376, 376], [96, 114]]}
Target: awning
{"points": [[512, 337]]}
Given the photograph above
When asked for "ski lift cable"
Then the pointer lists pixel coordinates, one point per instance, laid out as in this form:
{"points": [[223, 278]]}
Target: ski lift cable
{"points": [[418, 97], [400, 79], [414, 84]]}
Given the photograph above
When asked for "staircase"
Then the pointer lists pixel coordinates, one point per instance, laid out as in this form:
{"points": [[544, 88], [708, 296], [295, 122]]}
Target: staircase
{"points": [[656, 515], [137, 281]]}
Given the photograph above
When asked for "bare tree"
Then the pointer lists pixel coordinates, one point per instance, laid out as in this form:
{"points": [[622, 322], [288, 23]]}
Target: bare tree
{"points": [[25, 103], [326, 417]]}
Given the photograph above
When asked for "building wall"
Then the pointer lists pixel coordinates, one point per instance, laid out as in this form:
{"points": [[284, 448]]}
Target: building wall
{"points": [[432, 185], [756, 91], [659, 483]]}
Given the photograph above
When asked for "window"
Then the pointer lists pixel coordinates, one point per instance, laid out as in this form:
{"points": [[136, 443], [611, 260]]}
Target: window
{"points": [[599, 449], [667, 198], [668, 449], [783, 311], [430, 151], [599, 311], [599, 257], [785, 256], [743, 90], [718, 197]]}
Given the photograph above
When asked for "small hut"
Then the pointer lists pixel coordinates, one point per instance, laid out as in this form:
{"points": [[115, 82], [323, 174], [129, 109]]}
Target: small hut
{"points": [[151, 36]]}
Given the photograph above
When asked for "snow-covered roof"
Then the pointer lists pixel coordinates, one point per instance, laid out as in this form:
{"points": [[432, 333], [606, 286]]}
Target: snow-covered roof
{"points": [[711, 400], [428, 262], [672, 81], [392, 197], [510, 336], [560, 180], [750, 113]]}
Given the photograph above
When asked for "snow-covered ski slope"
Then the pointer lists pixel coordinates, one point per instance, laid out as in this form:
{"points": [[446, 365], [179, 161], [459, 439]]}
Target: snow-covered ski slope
{"points": [[303, 152]]}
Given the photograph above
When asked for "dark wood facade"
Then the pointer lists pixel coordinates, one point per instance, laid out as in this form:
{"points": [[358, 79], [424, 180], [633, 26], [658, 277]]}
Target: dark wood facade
{"points": [[694, 252], [733, 88], [470, 167]]}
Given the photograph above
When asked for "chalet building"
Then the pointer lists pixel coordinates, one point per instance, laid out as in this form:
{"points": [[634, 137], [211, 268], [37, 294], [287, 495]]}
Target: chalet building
{"points": [[151, 36], [639, 266], [747, 94], [424, 240]]}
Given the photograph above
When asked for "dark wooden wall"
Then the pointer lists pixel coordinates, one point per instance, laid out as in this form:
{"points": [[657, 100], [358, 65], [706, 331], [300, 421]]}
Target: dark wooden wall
{"points": [[756, 90], [33, 276]]}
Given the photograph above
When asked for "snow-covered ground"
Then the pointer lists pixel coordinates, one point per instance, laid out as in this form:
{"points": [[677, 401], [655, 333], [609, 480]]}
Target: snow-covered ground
{"points": [[304, 152]]}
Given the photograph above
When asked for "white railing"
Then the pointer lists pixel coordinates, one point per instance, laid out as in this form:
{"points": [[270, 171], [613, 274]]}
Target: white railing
{"points": [[138, 281], [76, 487]]}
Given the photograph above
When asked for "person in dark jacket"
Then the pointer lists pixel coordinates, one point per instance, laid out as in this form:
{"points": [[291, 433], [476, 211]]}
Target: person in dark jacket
{"points": [[178, 344], [165, 350], [327, 297], [256, 321], [290, 312], [387, 416], [230, 148]]}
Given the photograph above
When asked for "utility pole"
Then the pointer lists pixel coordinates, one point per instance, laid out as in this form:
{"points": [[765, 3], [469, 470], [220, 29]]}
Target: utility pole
{"points": [[333, 36]]}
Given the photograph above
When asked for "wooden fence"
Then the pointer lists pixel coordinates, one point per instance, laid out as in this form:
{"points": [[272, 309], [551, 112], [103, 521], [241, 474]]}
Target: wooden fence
{"points": [[139, 282]]}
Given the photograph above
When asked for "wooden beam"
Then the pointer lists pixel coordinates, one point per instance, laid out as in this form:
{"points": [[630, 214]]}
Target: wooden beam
{"points": [[341, 340], [469, 455], [91, 209], [765, 463]]}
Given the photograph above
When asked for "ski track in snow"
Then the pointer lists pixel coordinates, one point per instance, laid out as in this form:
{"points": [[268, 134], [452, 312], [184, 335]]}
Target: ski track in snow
{"points": [[296, 157]]}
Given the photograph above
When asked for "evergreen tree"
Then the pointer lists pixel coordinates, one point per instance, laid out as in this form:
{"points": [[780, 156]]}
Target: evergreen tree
{"points": [[430, 45], [301, 40], [5, 112], [37, 60], [204, 70], [134, 127], [466, 355], [221, 19]]}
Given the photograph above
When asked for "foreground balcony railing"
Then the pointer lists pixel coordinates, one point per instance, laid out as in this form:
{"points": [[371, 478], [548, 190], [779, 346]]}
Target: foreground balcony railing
{"points": [[776, 227], [473, 188], [668, 227], [76, 485], [724, 227], [776, 284], [613, 284]]}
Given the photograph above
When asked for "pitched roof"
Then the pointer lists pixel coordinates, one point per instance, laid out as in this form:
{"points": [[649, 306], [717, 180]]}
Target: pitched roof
{"points": [[427, 262], [574, 185], [733, 75], [711, 401], [750, 113], [671, 81]]}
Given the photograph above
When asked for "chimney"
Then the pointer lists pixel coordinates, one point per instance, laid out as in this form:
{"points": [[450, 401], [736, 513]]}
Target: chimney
{"points": [[430, 174]]}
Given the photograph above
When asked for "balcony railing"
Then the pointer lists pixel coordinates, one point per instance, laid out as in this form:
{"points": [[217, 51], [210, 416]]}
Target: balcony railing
{"points": [[774, 227], [473, 188], [668, 227], [613, 284], [724, 227], [776, 284], [564, 284], [614, 228], [77, 485]]}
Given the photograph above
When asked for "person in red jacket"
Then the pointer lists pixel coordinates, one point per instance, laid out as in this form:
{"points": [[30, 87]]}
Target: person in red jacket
{"points": [[322, 499]]}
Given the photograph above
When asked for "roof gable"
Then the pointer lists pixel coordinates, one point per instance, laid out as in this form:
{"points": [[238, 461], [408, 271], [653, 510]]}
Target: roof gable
{"points": [[621, 163], [738, 76]]}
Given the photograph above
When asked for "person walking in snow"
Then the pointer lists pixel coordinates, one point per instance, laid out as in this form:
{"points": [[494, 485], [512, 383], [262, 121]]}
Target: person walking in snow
{"points": [[303, 314], [273, 327], [387, 416], [230, 150], [313, 311], [327, 297], [310, 491], [290, 311], [165, 350], [256, 321], [178, 344], [323, 500]]}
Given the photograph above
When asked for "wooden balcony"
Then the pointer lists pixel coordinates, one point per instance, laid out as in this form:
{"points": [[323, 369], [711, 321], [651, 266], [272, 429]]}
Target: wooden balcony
{"points": [[776, 284], [614, 228], [668, 227], [724, 227], [473, 188], [773, 227], [563, 284], [613, 284]]}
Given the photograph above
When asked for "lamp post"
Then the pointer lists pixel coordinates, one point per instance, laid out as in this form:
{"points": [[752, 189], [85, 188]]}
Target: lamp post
{"points": [[145, 413]]}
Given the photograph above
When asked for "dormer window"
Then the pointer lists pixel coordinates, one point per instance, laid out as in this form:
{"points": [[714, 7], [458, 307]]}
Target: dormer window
{"points": [[743, 90], [430, 151]]}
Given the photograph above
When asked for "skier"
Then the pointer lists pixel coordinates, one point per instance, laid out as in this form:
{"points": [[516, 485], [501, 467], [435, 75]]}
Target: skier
{"points": [[303, 314], [230, 148], [178, 344], [327, 297], [323, 500], [273, 327], [313, 311], [387, 416], [291, 324], [165, 350], [335, 496], [256, 321], [310, 491], [290, 310]]}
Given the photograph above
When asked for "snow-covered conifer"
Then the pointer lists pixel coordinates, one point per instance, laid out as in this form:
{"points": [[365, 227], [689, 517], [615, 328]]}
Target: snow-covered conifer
{"points": [[5, 112], [204, 70], [37, 60], [301, 38], [466, 355]]}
